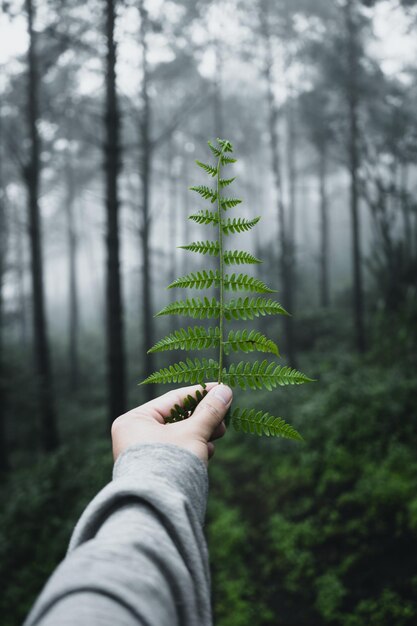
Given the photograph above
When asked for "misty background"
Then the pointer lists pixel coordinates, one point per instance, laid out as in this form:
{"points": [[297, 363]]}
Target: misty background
{"points": [[104, 107]]}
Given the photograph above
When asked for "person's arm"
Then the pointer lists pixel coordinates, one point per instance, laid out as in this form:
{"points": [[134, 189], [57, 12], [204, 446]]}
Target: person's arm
{"points": [[138, 554]]}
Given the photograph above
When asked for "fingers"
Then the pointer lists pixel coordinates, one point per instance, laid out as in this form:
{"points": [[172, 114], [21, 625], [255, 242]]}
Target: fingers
{"points": [[210, 449], [219, 431], [207, 418]]}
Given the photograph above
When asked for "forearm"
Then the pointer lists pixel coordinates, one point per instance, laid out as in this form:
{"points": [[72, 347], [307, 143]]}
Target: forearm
{"points": [[138, 554]]}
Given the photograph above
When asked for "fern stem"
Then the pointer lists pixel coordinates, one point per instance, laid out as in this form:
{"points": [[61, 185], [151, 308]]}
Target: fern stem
{"points": [[221, 271]]}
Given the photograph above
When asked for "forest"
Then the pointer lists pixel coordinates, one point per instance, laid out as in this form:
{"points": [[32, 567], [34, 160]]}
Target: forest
{"points": [[105, 105]]}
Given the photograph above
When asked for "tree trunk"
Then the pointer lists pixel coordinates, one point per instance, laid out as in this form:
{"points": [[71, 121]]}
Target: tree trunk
{"points": [[145, 175], [73, 323], [405, 208], [324, 231], [185, 198], [4, 461], [114, 306], [285, 268], [49, 430], [172, 221], [292, 205], [20, 261], [353, 155]]}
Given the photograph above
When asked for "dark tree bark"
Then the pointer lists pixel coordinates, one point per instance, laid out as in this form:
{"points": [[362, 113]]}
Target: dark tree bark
{"points": [[20, 261], [292, 179], [172, 220], [145, 175], [324, 230], [73, 322], [114, 306], [185, 199], [4, 460], [49, 430], [406, 211], [354, 162], [285, 255], [292, 202]]}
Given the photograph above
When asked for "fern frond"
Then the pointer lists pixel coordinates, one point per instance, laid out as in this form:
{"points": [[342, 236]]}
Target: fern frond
{"points": [[230, 257], [197, 338], [262, 423], [243, 282], [224, 182], [249, 341], [229, 203], [238, 225], [200, 338], [239, 257], [249, 308], [233, 282], [225, 144], [188, 371], [205, 217], [194, 307], [207, 168], [205, 192], [197, 280], [226, 160], [217, 153], [256, 375], [262, 374], [203, 247]]}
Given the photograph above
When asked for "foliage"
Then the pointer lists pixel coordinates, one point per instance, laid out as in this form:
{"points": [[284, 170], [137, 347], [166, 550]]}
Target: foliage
{"points": [[323, 533], [331, 529], [43, 504], [257, 375]]}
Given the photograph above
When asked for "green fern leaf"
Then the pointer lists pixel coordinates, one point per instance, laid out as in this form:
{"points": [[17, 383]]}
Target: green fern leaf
{"points": [[217, 153], [197, 280], [205, 192], [249, 341], [207, 168], [197, 338], [259, 375], [231, 257], [224, 182], [262, 423], [226, 160], [229, 203], [203, 247], [238, 225], [239, 257], [188, 371], [195, 308], [225, 144], [205, 217], [249, 308], [255, 375], [232, 282], [243, 282]]}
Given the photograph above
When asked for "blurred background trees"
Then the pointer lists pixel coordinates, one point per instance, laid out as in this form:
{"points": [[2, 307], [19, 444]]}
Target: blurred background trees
{"points": [[104, 106]]}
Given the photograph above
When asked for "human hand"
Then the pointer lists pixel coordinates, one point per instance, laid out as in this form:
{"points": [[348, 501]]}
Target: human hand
{"points": [[146, 423]]}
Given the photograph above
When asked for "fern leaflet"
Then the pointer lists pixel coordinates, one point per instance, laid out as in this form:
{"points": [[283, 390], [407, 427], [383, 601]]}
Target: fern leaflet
{"points": [[260, 423]]}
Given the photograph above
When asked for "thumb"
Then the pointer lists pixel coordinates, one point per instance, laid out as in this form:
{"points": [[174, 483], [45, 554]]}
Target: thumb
{"points": [[211, 411]]}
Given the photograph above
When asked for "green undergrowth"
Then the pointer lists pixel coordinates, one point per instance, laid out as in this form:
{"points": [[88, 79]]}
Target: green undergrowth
{"points": [[320, 533], [325, 533]]}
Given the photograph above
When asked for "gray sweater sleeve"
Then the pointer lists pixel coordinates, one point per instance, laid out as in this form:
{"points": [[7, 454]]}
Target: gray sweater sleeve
{"points": [[138, 554]]}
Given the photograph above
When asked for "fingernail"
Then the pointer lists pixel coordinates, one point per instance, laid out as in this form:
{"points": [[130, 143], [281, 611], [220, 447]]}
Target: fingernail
{"points": [[224, 393]]}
